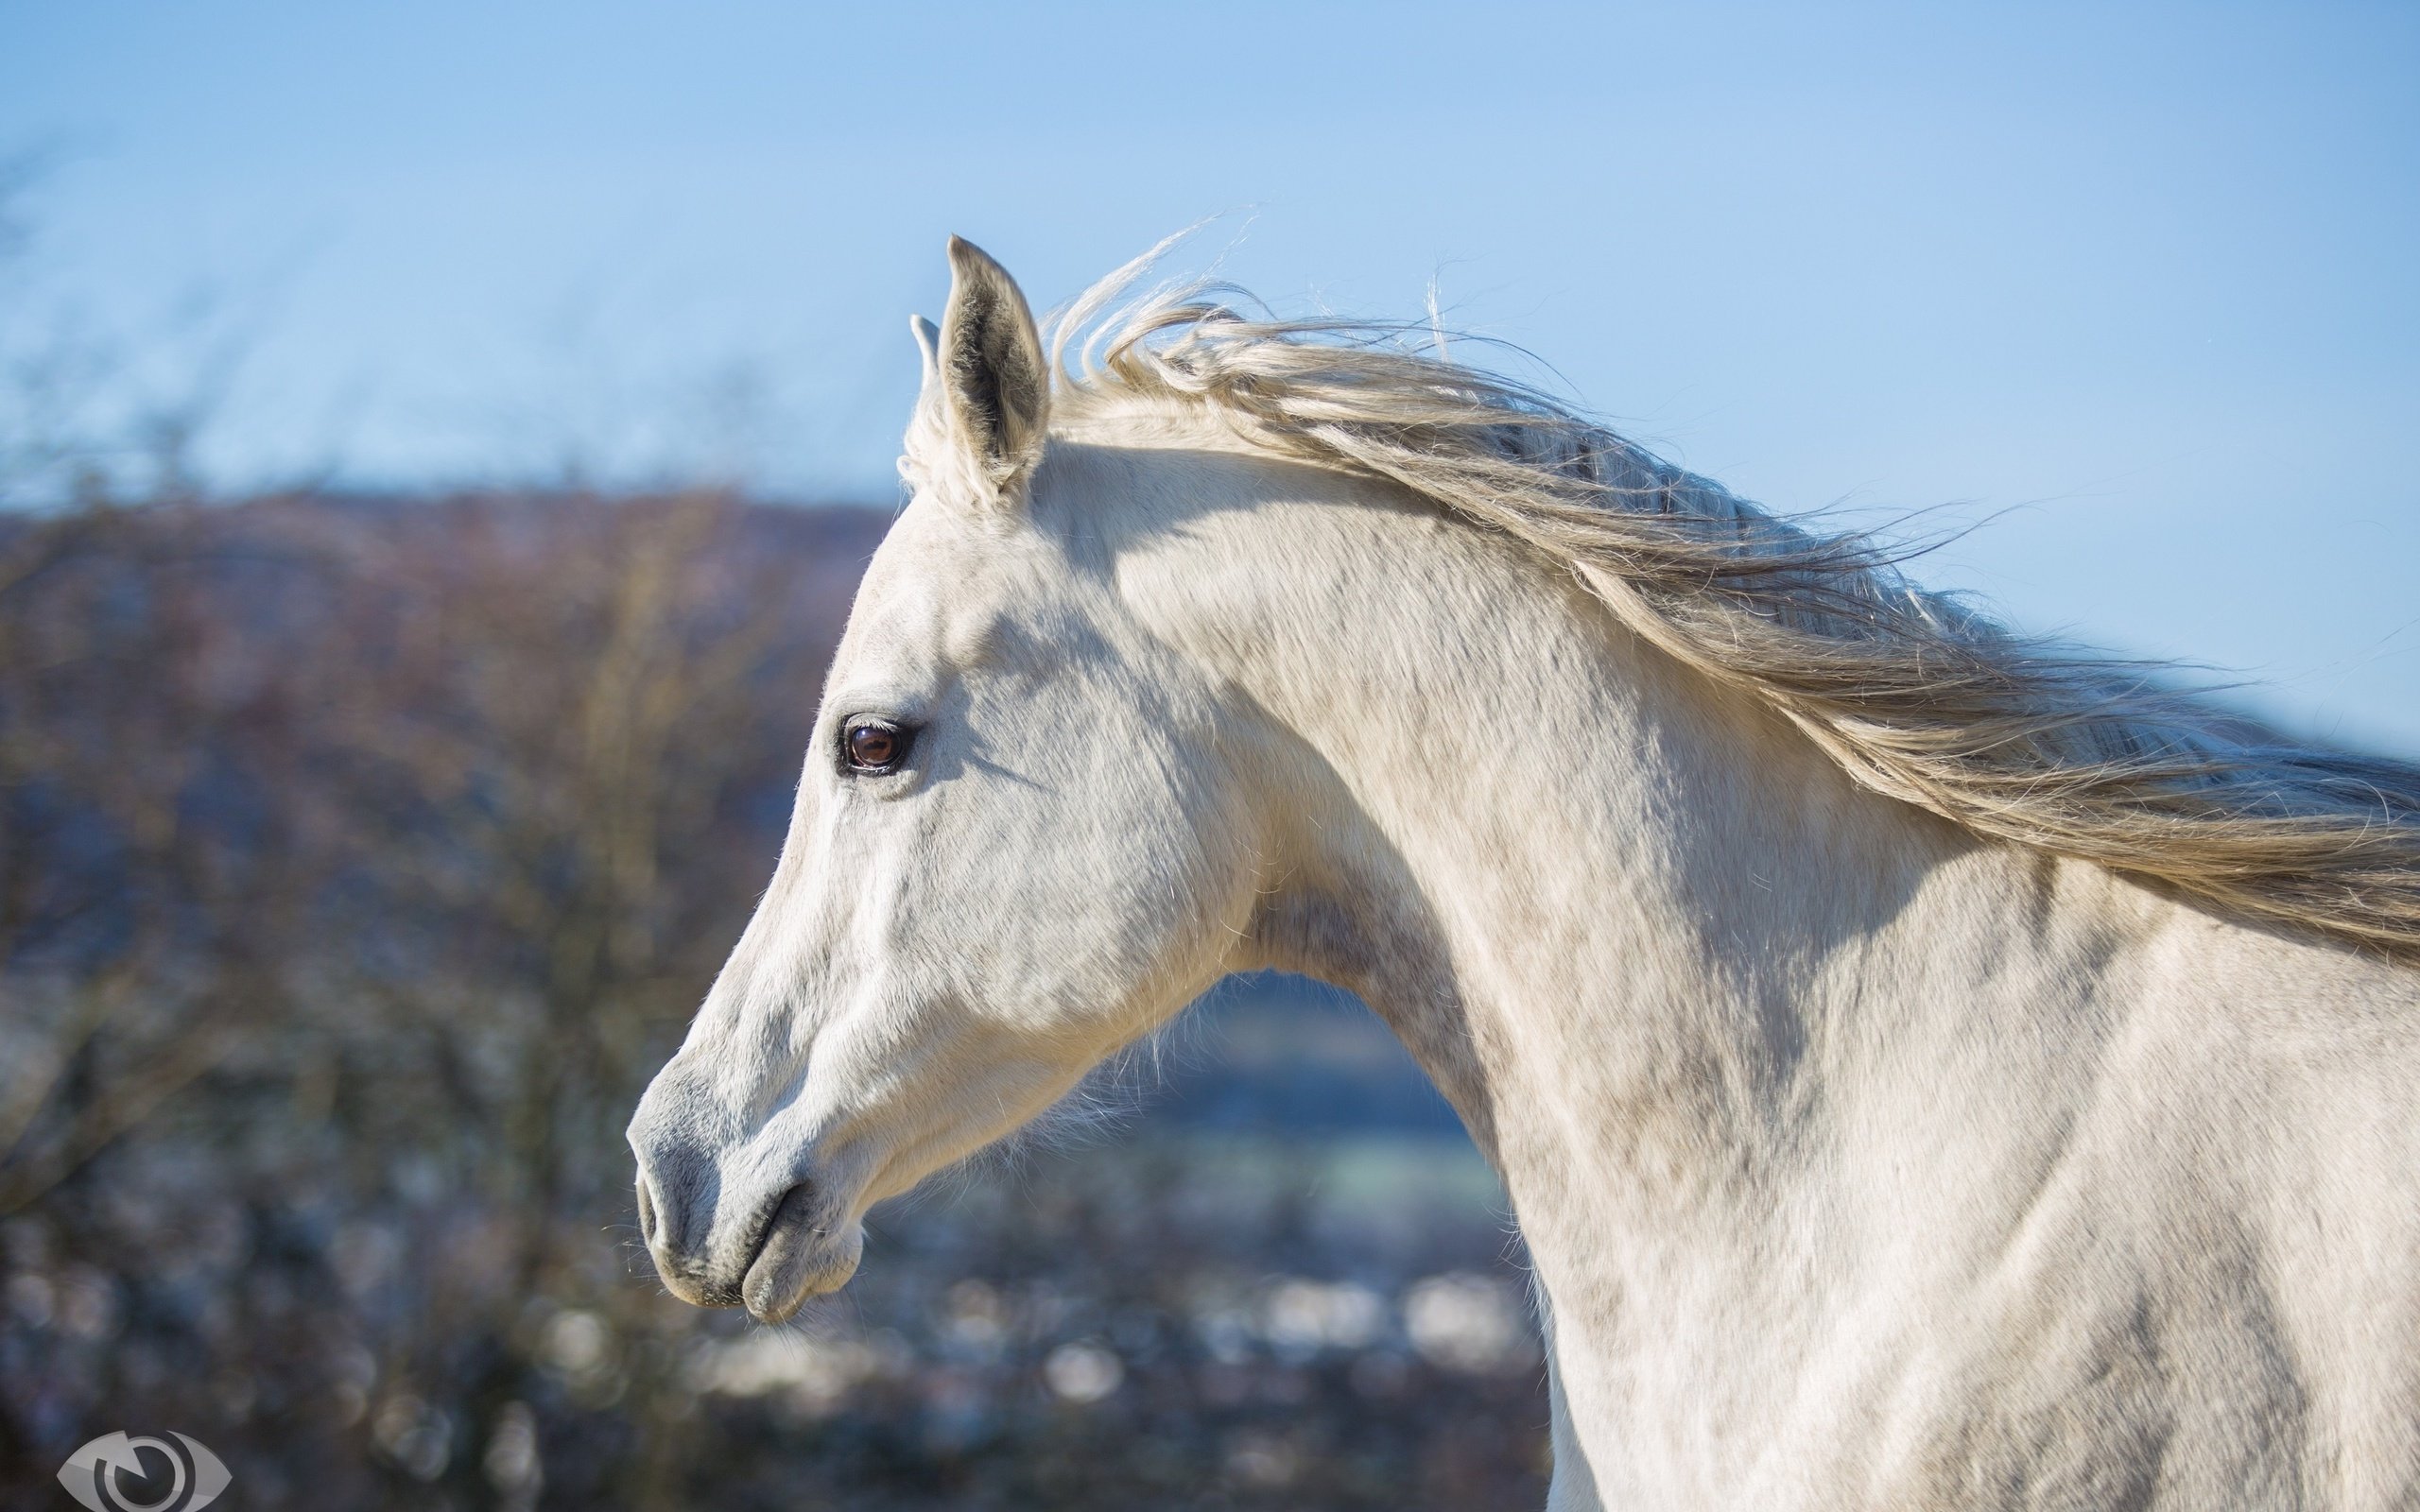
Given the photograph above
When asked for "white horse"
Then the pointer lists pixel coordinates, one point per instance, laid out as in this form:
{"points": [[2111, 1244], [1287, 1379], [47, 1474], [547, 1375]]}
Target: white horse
{"points": [[1929, 1071]]}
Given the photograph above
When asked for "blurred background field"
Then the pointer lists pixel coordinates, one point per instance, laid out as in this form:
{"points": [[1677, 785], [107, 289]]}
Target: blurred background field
{"points": [[438, 445]]}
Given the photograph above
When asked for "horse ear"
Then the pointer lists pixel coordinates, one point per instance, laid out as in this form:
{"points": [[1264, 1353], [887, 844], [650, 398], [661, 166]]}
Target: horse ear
{"points": [[927, 427], [985, 378], [928, 345]]}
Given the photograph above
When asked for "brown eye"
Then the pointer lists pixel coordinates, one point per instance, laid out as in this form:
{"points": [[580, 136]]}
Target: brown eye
{"points": [[874, 745]]}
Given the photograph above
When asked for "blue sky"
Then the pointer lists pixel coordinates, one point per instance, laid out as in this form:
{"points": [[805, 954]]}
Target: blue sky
{"points": [[2133, 284]]}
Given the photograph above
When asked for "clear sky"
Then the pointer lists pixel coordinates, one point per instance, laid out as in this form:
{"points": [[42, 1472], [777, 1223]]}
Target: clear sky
{"points": [[2133, 284]]}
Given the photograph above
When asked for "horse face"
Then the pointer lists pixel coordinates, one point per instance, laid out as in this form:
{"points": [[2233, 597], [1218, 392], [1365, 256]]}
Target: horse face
{"points": [[1009, 855]]}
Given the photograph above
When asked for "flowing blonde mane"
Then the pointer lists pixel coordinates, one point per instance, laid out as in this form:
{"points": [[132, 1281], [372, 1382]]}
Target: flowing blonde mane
{"points": [[1911, 693]]}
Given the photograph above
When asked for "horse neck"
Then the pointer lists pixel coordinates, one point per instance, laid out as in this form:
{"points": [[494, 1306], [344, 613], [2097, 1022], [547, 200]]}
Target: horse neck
{"points": [[1642, 934]]}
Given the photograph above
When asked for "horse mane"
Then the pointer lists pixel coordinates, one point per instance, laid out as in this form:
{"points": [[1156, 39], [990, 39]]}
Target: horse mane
{"points": [[1914, 695]]}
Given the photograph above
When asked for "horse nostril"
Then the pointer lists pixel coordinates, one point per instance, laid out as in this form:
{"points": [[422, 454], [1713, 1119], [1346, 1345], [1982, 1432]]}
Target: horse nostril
{"points": [[647, 1210]]}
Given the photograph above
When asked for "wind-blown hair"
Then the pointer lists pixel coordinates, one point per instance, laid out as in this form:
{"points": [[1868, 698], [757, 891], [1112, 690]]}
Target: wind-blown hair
{"points": [[1912, 693]]}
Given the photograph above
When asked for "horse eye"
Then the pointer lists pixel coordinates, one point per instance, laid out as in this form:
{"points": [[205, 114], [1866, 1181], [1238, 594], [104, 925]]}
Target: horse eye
{"points": [[874, 745]]}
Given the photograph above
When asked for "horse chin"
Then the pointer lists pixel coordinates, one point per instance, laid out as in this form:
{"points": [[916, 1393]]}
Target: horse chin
{"points": [[800, 1259]]}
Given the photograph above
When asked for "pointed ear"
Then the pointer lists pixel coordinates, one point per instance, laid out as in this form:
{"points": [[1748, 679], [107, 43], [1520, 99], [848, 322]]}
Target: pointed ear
{"points": [[928, 424], [928, 345], [994, 386]]}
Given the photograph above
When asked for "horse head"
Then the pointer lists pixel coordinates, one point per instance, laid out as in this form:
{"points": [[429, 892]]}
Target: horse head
{"points": [[1015, 848]]}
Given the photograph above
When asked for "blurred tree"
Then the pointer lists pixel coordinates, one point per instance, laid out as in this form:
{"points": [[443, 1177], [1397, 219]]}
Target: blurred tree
{"points": [[410, 833]]}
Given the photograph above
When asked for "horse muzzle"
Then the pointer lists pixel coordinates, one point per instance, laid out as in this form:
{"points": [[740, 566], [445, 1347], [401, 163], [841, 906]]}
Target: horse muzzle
{"points": [[770, 1253]]}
